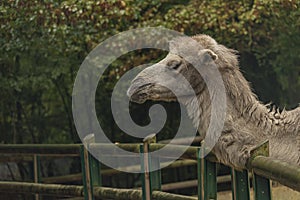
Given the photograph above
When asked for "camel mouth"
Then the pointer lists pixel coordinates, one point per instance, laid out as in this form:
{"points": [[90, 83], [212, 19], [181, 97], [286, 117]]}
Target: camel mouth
{"points": [[150, 91], [139, 97], [139, 93]]}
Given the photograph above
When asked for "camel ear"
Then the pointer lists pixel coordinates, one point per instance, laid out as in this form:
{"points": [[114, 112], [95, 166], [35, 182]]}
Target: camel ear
{"points": [[208, 54]]}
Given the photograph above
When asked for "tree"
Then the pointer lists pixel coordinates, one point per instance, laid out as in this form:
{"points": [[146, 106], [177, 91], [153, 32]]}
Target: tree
{"points": [[44, 42]]}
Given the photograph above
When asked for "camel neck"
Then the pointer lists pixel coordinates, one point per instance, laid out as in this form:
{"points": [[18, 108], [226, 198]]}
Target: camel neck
{"points": [[244, 104]]}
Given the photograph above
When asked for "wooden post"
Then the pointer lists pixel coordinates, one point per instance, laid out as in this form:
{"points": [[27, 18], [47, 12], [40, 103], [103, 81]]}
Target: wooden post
{"points": [[151, 179], [94, 165], [88, 193], [36, 172]]}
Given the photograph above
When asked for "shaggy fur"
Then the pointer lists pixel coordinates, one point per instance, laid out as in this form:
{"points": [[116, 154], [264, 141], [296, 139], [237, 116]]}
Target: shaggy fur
{"points": [[248, 122]]}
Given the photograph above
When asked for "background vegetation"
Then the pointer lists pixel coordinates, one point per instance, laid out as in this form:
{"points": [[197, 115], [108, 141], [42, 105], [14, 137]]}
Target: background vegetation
{"points": [[43, 43]]}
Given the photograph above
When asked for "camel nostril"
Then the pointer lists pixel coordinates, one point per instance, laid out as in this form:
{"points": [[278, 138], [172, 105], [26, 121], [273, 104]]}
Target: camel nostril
{"points": [[142, 95], [145, 85], [138, 97], [174, 64]]}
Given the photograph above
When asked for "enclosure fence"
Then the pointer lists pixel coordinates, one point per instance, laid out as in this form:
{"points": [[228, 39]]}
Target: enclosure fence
{"points": [[262, 168]]}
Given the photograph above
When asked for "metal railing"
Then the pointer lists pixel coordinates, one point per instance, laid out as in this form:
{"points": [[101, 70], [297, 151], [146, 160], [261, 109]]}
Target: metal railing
{"points": [[263, 170]]}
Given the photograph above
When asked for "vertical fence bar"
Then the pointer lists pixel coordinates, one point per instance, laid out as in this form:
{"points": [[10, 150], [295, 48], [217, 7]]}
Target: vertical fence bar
{"points": [[36, 172], [207, 178], [146, 181], [211, 179], [95, 173], [261, 185], [155, 176], [94, 164], [87, 184], [240, 185], [151, 179], [262, 188], [201, 177]]}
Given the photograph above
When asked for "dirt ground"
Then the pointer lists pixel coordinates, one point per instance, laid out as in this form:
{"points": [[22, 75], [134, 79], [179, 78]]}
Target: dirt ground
{"points": [[278, 193]]}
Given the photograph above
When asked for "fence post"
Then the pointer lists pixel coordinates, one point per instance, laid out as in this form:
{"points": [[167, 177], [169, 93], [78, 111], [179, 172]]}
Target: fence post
{"points": [[151, 180], [36, 172], [240, 185], [261, 185], [155, 176], [207, 178], [95, 171], [92, 166], [86, 179], [146, 185], [262, 188]]}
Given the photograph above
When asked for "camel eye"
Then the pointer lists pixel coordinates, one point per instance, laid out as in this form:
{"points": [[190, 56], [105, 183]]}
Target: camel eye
{"points": [[174, 64]]}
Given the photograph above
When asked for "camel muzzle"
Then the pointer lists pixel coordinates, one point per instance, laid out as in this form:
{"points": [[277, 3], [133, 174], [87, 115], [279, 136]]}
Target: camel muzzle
{"points": [[138, 91]]}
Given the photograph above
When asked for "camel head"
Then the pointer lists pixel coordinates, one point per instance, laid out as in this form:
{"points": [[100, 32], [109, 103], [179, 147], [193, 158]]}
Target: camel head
{"points": [[173, 72]]}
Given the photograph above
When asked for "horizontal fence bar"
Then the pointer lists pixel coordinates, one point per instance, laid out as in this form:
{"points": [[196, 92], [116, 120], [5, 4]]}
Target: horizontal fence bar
{"points": [[63, 179], [158, 195], [276, 170], [110, 172], [175, 164], [190, 152], [165, 187], [179, 185], [39, 188], [192, 183], [40, 149], [16, 158], [71, 190], [183, 141]]}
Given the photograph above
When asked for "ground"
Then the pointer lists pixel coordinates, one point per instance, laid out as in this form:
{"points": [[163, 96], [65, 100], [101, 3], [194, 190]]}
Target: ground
{"points": [[278, 193]]}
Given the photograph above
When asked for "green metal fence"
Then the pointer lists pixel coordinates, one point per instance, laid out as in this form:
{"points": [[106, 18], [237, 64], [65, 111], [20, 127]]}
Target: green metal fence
{"points": [[262, 168]]}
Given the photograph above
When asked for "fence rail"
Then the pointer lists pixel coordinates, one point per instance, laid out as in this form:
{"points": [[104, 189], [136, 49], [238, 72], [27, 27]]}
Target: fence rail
{"points": [[78, 191], [284, 173], [41, 149], [262, 167]]}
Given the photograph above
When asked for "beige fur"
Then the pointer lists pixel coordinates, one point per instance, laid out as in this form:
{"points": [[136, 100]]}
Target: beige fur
{"points": [[248, 122]]}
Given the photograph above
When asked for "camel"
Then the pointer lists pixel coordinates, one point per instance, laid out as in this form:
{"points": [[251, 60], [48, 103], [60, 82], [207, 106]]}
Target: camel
{"points": [[248, 122]]}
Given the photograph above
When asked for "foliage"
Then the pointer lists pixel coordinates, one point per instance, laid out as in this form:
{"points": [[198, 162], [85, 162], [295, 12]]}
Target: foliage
{"points": [[43, 43]]}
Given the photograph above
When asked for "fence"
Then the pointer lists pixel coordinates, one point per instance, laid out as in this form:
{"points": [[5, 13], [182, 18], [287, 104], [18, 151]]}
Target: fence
{"points": [[262, 167]]}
